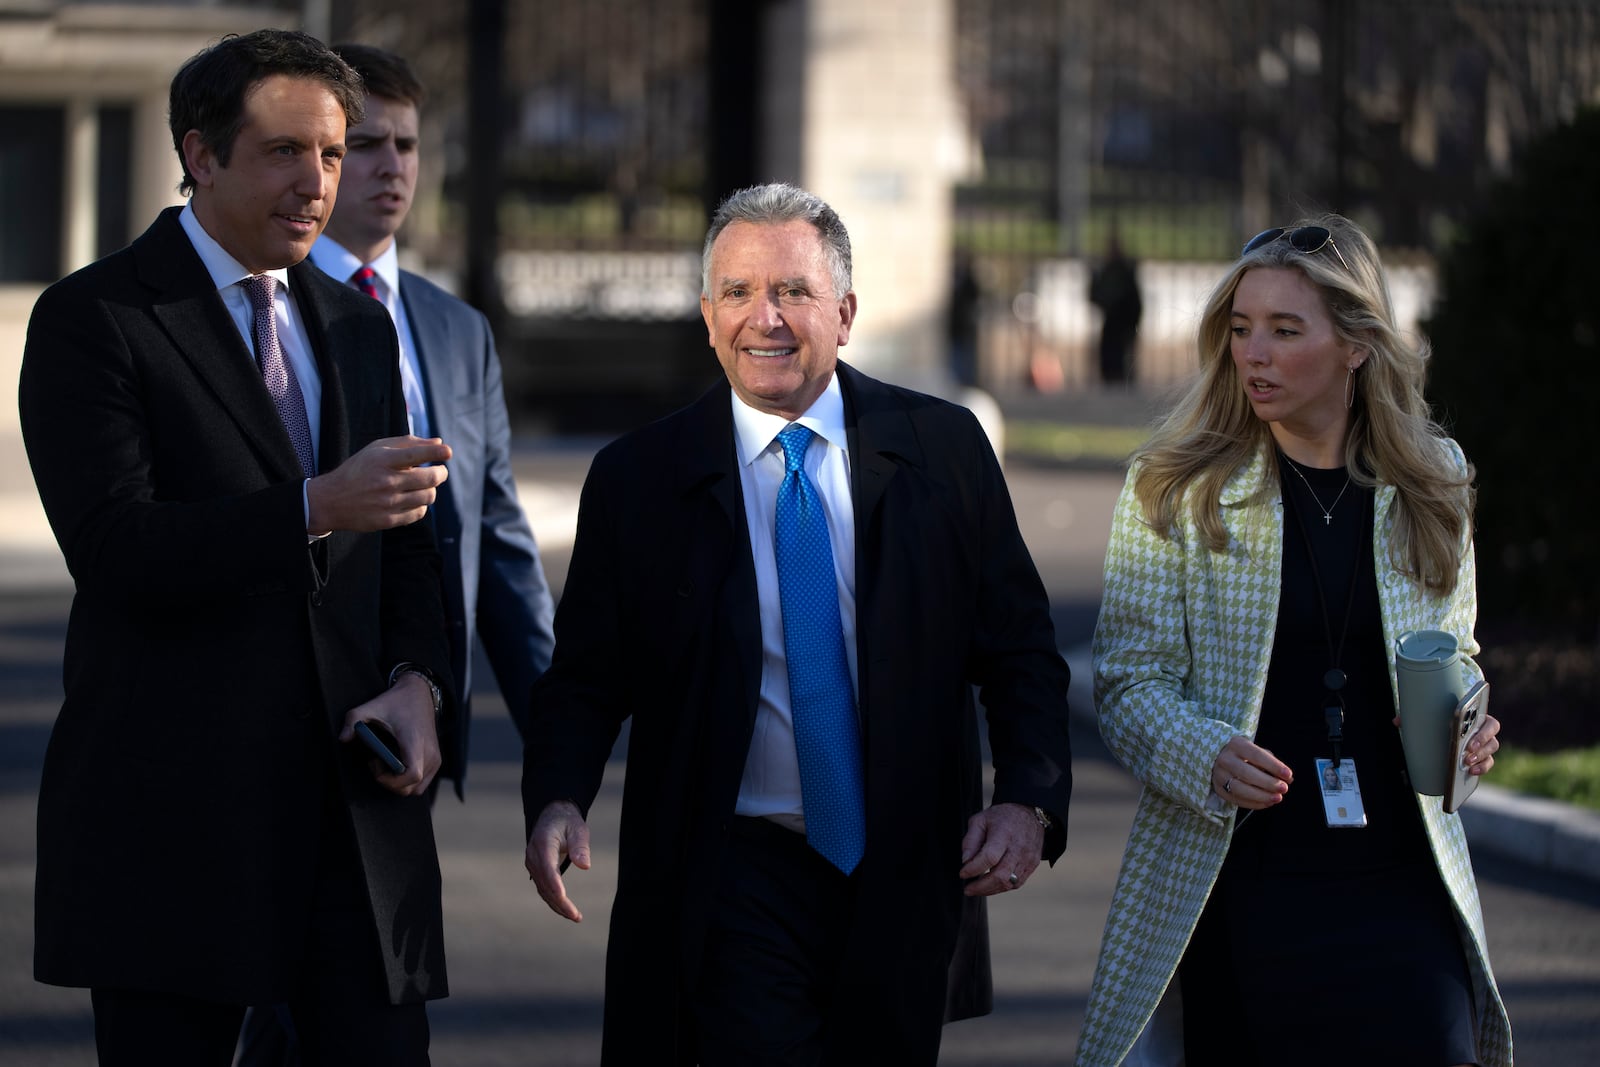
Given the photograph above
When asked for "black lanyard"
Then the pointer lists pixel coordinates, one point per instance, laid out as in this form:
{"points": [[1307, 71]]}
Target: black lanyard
{"points": [[1332, 681]]}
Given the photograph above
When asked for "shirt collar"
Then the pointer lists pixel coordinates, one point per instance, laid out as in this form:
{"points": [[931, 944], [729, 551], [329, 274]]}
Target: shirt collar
{"points": [[333, 258], [754, 431], [223, 268]]}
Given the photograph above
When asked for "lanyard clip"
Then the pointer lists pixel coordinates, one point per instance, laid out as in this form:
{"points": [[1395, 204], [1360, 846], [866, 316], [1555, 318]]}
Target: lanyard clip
{"points": [[1334, 714]]}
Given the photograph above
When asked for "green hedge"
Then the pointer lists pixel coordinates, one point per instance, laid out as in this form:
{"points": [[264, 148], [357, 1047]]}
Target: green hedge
{"points": [[1516, 377], [1572, 775]]}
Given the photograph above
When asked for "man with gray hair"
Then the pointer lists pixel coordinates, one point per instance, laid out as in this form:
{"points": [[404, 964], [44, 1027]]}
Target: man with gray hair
{"points": [[792, 586]]}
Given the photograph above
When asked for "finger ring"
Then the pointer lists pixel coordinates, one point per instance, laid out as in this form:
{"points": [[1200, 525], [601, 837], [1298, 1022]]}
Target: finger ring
{"points": [[1012, 879], [1227, 787]]}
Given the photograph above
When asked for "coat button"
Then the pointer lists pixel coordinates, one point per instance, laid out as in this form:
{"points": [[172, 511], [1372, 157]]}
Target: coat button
{"points": [[316, 600]]}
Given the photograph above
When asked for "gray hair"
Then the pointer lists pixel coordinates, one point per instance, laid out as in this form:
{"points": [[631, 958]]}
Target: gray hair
{"points": [[776, 204]]}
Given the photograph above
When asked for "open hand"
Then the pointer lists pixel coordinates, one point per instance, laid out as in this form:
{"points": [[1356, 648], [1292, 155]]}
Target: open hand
{"points": [[560, 833]]}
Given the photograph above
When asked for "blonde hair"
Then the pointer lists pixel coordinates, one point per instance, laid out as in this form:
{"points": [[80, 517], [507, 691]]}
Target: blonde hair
{"points": [[1212, 433]]}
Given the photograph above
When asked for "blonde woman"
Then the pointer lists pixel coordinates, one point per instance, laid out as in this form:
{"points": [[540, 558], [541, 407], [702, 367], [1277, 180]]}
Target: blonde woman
{"points": [[1285, 896]]}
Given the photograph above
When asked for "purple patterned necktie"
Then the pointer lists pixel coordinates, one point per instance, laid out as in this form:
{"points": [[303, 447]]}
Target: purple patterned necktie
{"points": [[276, 372]]}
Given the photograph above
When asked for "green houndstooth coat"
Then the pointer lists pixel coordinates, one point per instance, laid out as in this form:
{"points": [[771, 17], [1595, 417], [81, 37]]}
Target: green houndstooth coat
{"points": [[1180, 664]]}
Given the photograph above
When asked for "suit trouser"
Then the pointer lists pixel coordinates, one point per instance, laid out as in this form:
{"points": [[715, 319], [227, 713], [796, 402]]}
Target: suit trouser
{"points": [[774, 945], [341, 1012]]}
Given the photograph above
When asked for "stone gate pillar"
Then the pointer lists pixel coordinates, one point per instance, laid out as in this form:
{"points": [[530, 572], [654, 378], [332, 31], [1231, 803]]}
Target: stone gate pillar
{"points": [[860, 108]]}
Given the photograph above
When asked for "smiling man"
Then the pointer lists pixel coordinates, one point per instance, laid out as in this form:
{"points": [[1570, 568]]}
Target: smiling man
{"points": [[802, 576], [218, 435]]}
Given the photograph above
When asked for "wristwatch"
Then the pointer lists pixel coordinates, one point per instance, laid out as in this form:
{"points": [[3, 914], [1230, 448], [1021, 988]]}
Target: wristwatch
{"points": [[427, 676], [1043, 816]]}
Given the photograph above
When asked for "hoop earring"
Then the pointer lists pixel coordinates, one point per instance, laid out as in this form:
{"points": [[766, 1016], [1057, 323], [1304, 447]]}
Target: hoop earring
{"points": [[1350, 388]]}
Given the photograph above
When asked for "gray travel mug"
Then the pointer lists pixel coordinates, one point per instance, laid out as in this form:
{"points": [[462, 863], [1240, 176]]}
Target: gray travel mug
{"points": [[1426, 666]]}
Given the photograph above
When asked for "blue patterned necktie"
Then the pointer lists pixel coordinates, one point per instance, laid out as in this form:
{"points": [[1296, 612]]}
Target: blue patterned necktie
{"points": [[827, 736], [276, 372]]}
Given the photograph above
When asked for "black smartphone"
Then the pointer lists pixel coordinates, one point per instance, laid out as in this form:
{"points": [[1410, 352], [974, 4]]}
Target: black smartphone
{"points": [[1464, 722], [377, 737]]}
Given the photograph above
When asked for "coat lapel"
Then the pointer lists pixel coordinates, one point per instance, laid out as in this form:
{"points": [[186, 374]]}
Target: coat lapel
{"points": [[1398, 599], [881, 440], [433, 358], [190, 310], [710, 461], [708, 485], [315, 314], [439, 369], [1248, 580]]}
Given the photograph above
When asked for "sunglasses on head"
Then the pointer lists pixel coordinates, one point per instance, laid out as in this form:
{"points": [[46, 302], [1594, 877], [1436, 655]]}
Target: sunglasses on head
{"points": [[1306, 239]]}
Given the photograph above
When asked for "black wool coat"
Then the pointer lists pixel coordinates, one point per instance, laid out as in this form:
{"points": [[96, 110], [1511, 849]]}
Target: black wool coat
{"points": [[659, 621], [212, 653]]}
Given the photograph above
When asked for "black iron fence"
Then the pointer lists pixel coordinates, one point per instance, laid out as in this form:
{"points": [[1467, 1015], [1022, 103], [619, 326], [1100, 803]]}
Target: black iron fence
{"points": [[1175, 129], [1174, 126]]}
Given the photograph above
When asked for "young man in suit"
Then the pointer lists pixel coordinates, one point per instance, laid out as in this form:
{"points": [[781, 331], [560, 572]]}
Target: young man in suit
{"points": [[792, 586], [494, 583], [218, 435]]}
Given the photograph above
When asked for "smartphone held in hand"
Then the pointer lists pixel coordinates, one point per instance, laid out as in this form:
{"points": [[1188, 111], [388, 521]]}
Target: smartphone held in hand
{"points": [[1464, 722], [377, 737]]}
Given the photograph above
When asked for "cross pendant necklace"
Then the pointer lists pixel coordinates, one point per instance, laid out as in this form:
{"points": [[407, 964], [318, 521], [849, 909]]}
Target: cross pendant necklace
{"points": [[1333, 679], [1327, 512]]}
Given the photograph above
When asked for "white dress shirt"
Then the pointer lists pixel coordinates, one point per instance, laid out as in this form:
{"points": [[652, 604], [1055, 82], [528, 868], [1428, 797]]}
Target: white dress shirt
{"points": [[771, 783], [334, 259]]}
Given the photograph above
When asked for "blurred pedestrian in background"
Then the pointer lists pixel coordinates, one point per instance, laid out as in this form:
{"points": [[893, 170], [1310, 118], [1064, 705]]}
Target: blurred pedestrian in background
{"points": [[1114, 289]]}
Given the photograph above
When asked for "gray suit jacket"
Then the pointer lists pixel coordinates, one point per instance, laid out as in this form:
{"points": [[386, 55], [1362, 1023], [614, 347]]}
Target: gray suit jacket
{"points": [[494, 585]]}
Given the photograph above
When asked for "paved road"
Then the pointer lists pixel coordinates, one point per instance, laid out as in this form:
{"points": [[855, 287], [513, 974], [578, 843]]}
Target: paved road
{"points": [[527, 986]]}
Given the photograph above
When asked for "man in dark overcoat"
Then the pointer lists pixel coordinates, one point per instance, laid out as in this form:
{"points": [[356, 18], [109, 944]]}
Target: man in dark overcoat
{"points": [[218, 437], [805, 852]]}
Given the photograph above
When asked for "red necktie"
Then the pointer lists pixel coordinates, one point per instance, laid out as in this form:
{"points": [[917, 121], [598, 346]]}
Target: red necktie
{"points": [[362, 279]]}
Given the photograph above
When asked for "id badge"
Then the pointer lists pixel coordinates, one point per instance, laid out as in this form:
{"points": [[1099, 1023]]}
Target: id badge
{"points": [[1341, 793]]}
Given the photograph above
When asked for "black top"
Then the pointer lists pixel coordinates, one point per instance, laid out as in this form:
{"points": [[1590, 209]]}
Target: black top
{"points": [[1295, 834], [1353, 926]]}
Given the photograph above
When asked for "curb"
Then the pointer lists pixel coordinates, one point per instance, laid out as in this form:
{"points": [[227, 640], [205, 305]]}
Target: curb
{"points": [[1541, 833], [1537, 832]]}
